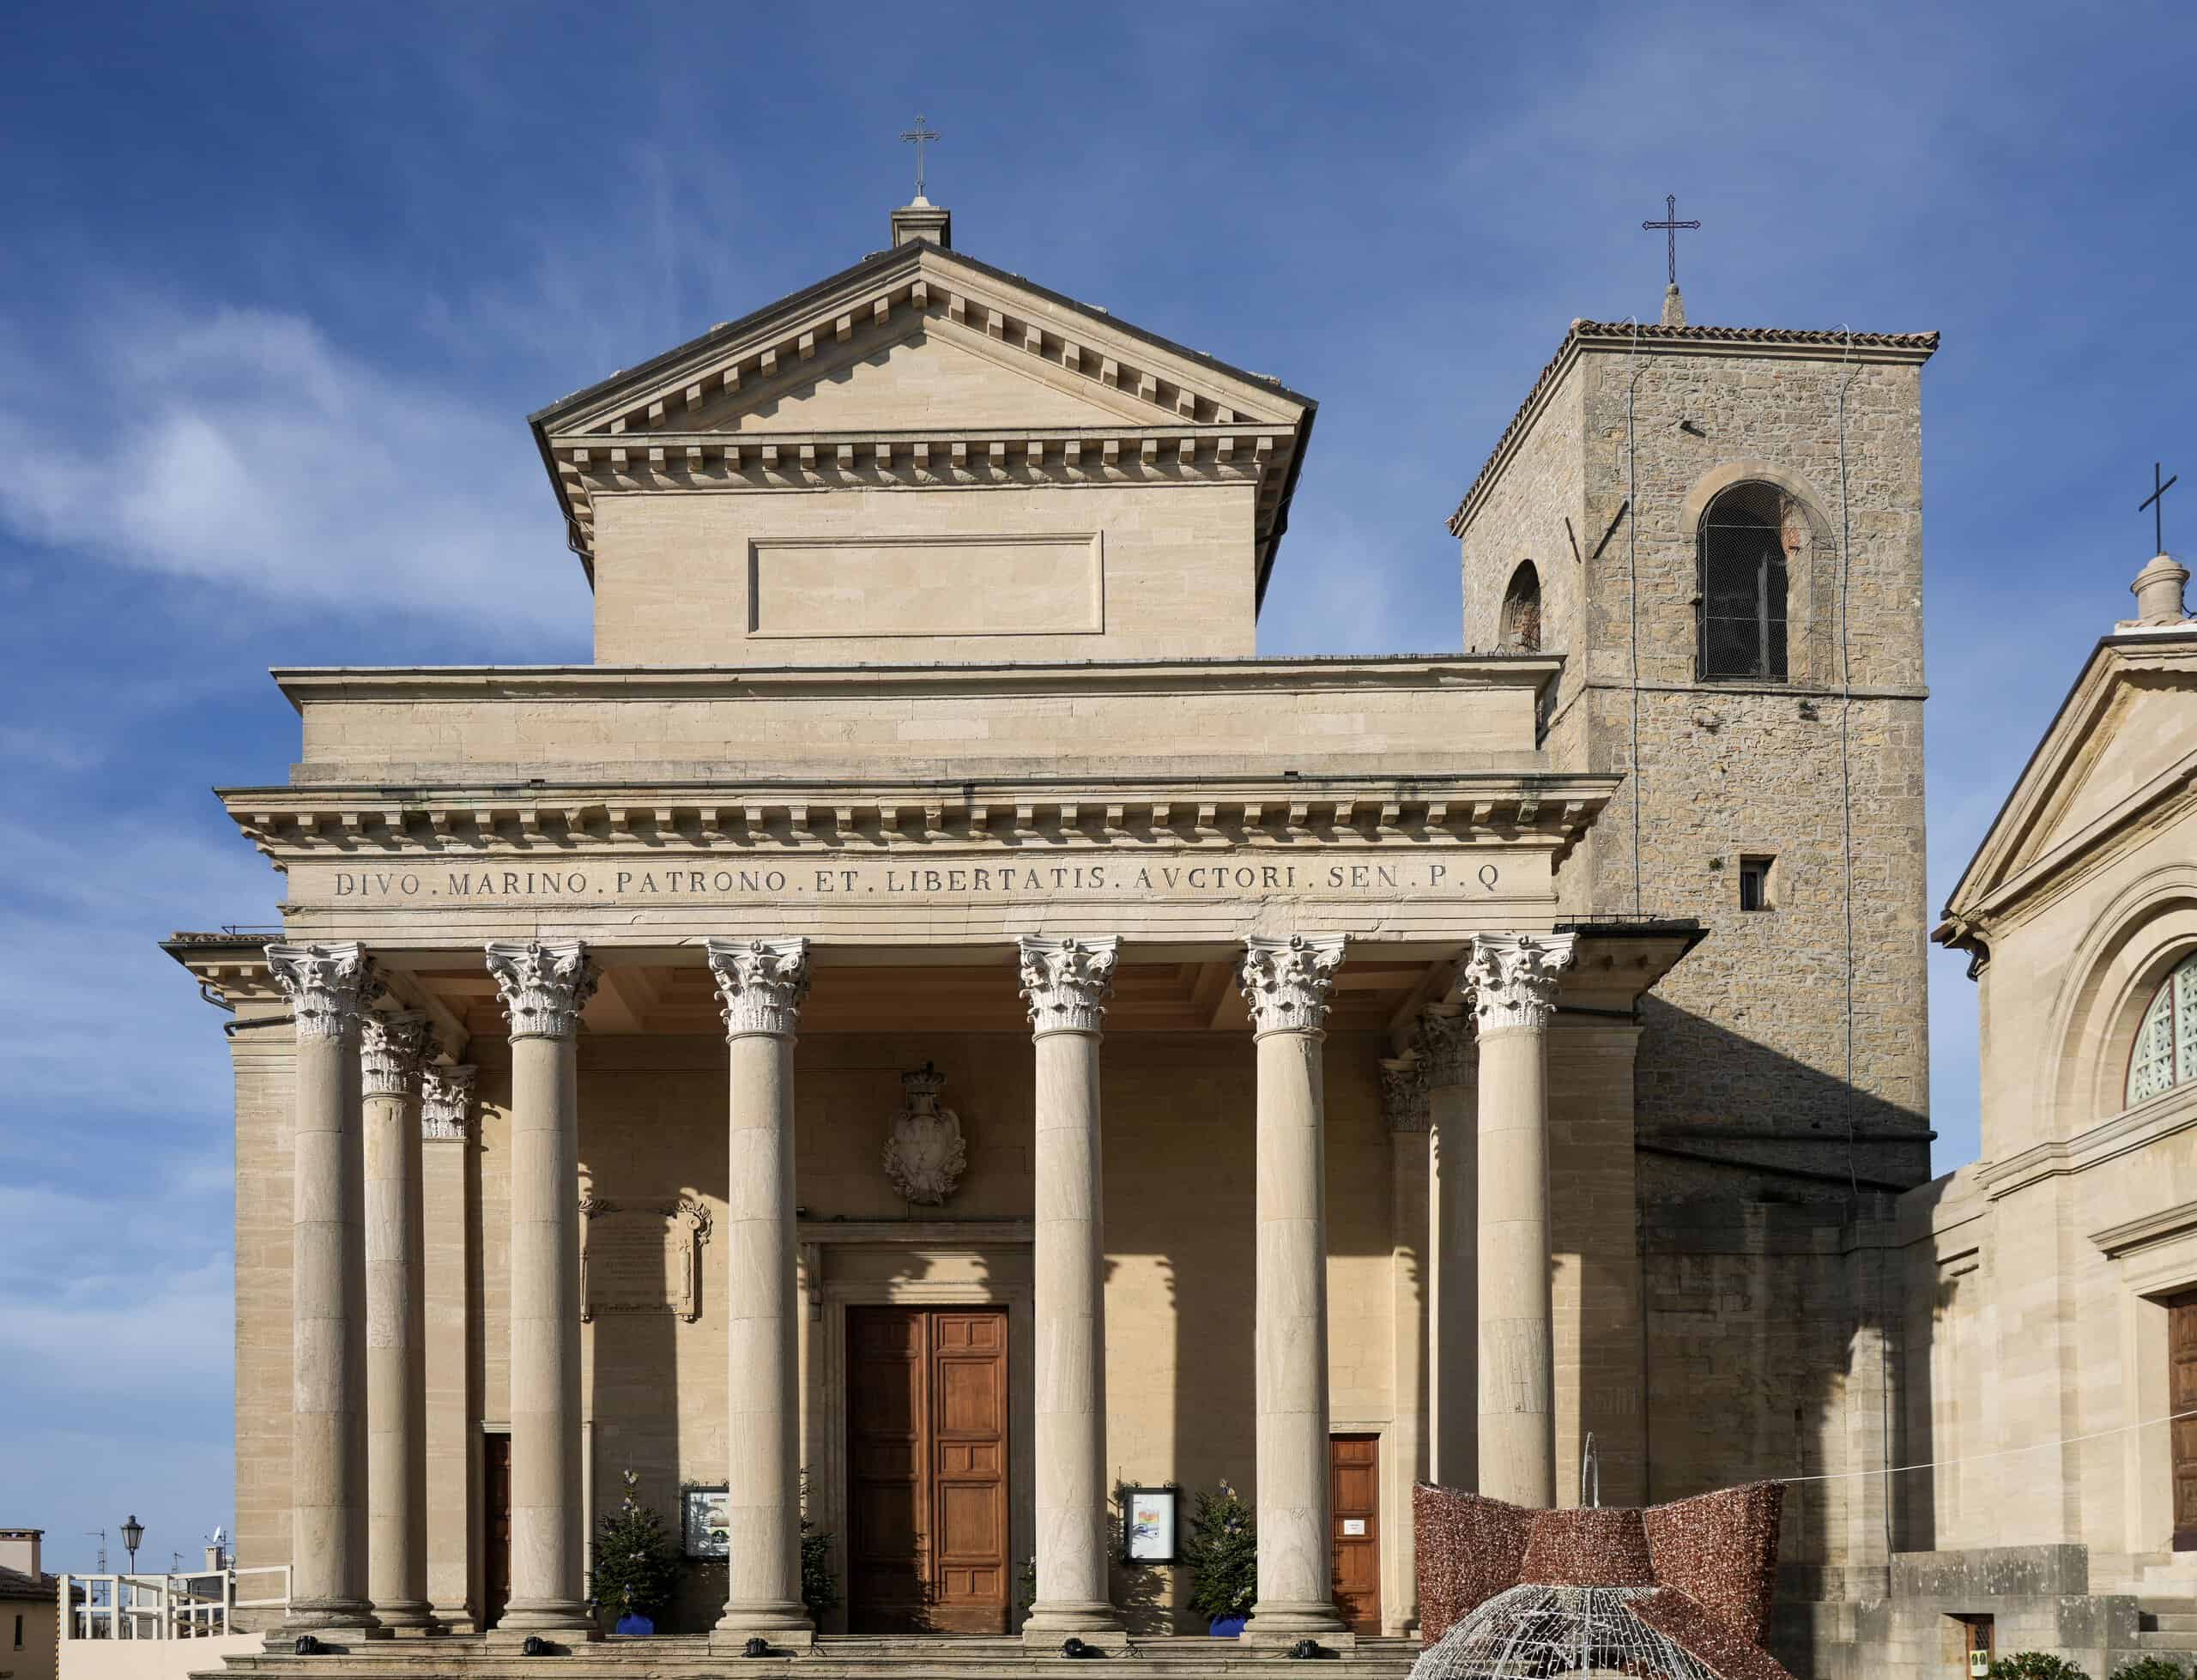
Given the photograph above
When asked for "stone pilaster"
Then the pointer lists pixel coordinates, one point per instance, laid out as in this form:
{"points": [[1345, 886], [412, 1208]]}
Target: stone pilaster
{"points": [[448, 1202], [760, 986], [1288, 984], [390, 1048], [328, 987], [544, 985], [1067, 983], [1512, 981], [1445, 1041]]}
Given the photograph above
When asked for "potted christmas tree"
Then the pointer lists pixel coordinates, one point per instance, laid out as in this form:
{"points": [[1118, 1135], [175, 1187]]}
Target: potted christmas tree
{"points": [[1223, 1555], [634, 1564]]}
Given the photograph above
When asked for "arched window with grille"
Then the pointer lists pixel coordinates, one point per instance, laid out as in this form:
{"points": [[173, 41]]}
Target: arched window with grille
{"points": [[2165, 1052], [1747, 535], [1522, 611]]}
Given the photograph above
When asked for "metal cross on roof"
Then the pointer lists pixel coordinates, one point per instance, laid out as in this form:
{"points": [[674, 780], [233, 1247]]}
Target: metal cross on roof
{"points": [[918, 136], [2156, 502], [1670, 224]]}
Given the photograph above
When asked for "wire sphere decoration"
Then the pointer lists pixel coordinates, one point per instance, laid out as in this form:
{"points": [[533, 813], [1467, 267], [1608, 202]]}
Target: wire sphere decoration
{"points": [[1530, 1633]]}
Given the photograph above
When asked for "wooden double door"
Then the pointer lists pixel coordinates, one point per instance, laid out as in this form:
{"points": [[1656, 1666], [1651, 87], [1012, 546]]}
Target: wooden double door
{"points": [[926, 1461], [2181, 1396]]}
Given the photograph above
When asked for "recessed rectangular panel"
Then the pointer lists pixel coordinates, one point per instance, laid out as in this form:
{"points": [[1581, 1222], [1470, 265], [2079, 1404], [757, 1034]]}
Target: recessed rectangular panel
{"points": [[1038, 583]]}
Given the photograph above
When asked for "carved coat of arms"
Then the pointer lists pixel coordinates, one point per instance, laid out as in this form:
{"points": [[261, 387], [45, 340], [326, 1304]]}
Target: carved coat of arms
{"points": [[925, 1155]]}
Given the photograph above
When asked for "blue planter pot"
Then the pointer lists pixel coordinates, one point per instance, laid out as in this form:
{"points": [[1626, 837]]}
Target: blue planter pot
{"points": [[639, 1627], [1228, 1627]]}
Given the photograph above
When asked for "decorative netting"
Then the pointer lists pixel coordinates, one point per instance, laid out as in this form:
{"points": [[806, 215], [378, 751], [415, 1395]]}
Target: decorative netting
{"points": [[1529, 1632]]}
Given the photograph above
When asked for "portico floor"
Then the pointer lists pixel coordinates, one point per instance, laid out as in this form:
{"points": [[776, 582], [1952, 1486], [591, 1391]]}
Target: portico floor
{"points": [[854, 1657]]}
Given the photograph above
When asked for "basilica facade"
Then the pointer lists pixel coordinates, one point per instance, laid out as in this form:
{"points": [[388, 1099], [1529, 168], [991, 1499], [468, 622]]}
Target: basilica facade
{"points": [[930, 1034]]}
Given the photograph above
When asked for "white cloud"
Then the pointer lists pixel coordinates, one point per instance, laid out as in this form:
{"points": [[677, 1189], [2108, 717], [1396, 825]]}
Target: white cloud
{"points": [[243, 447]]}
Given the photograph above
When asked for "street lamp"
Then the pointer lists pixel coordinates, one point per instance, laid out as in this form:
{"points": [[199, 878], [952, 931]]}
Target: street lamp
{"points": [[132, 1533]]}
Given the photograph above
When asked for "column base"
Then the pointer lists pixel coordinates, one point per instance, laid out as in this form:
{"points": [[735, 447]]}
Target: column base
{"points": [[1282, 1623], [409, 1618], [782, 1624], [339, 1624], [1094, 1620], [560, 1622]]}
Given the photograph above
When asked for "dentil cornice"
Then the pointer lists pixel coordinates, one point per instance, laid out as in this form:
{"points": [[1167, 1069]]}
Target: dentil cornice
{"points": [[761, 984], [327, 985], [1288, 982], [390, 1046], [1067, 983], [446, 1101], [1513, 978], [544, 984]]}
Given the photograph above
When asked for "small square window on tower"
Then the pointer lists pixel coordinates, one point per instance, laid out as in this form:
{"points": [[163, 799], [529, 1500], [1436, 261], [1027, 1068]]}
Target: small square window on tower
{"points": [[1754, 882]]}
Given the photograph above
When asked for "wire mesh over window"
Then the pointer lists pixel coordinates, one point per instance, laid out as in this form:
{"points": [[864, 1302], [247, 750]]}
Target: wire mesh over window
{"points": [[1522, 611], [1746, 535], [2165, 1055]]}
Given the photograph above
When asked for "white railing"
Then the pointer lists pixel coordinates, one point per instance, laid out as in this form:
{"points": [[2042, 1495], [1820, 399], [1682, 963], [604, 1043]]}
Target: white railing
{"points": [[201, 1604]]}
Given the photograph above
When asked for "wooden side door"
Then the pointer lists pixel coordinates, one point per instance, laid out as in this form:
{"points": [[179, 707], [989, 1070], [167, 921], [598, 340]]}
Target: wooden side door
{"points": [[970, 1572], [2181, 1396], [888, 1492], [1354, 1495], [495, 1527]]}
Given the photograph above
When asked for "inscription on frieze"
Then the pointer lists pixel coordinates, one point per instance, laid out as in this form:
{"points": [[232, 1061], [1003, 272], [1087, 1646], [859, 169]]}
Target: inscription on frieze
{"points": [[642, 1257]]}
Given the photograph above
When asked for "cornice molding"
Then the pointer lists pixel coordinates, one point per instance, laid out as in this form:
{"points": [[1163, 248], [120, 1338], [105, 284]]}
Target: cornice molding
{"points": [[2156, 1227], [2168, 1115]]}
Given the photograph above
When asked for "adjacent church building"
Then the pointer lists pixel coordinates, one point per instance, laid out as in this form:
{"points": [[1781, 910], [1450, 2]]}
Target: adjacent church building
{"points": [[930, 1032]]}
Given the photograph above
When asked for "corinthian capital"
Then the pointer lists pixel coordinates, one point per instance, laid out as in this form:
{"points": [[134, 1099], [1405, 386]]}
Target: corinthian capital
{"points": [[1067, 983], [327, 985], [390, 1046], [446, 1101], [1445, 1043], [1288, 982], [761, 984], [1513, 978], [544, 985], [1403, 1093]]}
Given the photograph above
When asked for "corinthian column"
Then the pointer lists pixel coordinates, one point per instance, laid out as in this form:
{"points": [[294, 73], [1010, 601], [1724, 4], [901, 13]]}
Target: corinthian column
{"points": [[446, 1207], [760, 986], [1287, 984], [1512, 980], [543, 986], [328, 986], [391, 1047], [1445, 1040], [1067, 983]]}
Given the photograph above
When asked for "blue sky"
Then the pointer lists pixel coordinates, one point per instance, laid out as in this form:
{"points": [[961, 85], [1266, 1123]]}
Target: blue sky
{"points": [[279, 286]]}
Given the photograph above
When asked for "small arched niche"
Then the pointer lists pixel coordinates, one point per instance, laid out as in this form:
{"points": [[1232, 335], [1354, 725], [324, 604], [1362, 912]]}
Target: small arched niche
{"points": [[1522, 611]]}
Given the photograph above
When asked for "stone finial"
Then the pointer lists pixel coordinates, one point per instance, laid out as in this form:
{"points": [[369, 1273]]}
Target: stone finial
{"points": [[1288, 982], [2158, 590], [1673, 306], [327, 985], [1513, 978], [1445, 1042], [446, 1100], [761, 984], [1067, 983], [922, 220], [544, 985], [390, 1046], [1403, 1093]]}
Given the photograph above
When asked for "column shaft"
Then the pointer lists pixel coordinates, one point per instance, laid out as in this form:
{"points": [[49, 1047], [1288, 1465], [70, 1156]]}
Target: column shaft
{"points": [[1456, 1298], [1288, 986], [450, 1207], [1067, 983], [761, 985], [397, 1399], [544, 986], [1513, 984], [327, 987]]}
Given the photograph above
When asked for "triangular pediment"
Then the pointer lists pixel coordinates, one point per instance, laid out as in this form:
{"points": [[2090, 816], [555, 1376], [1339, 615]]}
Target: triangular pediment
{"points": [[2124, 742], [922, 380]]}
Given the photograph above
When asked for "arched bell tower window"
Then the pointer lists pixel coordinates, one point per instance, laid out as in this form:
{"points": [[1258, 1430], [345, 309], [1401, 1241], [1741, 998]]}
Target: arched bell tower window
{"points": [[1522, 611], [2165, 1055], [1746, 535]]}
